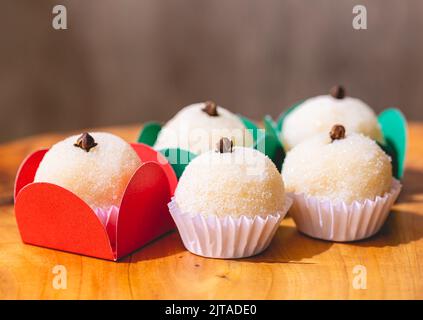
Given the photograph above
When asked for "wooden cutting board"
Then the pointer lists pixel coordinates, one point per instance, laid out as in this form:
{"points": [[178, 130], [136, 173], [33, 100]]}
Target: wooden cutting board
{"points": [[389, 265]]}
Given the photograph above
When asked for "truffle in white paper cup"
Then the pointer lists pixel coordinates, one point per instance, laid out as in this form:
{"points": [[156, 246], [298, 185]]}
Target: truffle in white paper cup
{"points": [[339, 221], [227, 237], [229, 202], [342, 185]]}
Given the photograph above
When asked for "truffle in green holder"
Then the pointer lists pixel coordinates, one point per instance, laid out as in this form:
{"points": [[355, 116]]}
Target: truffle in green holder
{"points": [[264, 141], [178, 158], [393, 126]]}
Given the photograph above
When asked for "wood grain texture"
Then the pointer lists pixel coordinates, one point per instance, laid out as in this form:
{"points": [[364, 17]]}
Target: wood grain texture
{"points": [[294, 266]]}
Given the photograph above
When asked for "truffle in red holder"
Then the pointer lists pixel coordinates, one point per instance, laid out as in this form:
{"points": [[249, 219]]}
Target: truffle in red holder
{"points": [[53, 217]]}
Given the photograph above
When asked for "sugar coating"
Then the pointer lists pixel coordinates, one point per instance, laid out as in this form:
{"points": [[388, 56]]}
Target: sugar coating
{"points": [[99, 177], [244, 182], [354, 168], [194, 130], [318, 115]]}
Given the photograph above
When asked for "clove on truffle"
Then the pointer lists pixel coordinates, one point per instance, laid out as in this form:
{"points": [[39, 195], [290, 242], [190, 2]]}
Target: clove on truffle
{"points": [[224, 145], [338, 92], [337, 132], [85, 142], [210, 108]]}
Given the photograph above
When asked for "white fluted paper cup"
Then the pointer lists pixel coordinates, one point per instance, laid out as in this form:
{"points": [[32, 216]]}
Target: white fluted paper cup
{"points": [[341, 222], [108, 217], [226, 237]]}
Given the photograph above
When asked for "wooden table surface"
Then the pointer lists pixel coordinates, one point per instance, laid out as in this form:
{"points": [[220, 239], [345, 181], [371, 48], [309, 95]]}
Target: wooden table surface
{"points": [[294, 266]]}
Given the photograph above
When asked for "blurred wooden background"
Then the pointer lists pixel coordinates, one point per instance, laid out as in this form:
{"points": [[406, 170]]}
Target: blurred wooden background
{"points": [[130, 61]]}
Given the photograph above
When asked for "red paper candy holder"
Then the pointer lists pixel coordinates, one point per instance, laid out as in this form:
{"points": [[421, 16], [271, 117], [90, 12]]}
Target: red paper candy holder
{"points": [[53, 217]]}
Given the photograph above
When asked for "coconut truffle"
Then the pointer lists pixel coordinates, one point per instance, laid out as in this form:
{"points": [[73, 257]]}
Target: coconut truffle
{"points": [[338, 167], [317, 115], [231, 181], [198, 127], [96, 167]]}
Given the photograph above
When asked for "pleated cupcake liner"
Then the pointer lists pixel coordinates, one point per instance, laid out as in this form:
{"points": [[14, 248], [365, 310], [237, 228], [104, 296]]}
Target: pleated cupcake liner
{"points": [[226, 237], [341, 222], [108, 217]]}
